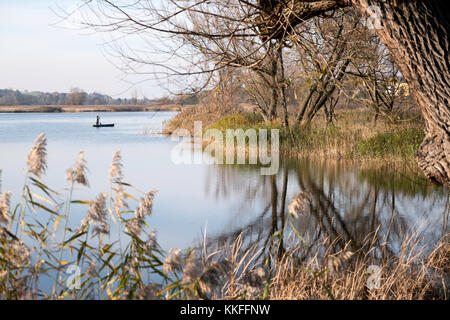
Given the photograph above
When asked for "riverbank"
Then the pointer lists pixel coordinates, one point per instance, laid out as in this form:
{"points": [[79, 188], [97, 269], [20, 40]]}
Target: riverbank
{"points": [[100, 108], [352, 136]]}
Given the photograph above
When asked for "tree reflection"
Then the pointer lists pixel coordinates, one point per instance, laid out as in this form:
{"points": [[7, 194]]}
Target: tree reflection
{"points": [[349, 205]]}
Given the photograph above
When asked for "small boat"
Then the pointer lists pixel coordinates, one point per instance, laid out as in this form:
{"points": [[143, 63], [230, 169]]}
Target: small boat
{"points": [[103, 125]]}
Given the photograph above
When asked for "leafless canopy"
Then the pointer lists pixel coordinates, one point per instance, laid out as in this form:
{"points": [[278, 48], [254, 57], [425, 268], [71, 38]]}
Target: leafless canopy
{"points": [[189, 40]]}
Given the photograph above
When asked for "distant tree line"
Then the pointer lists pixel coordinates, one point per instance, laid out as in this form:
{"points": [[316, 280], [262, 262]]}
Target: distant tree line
{"points": [[75, 96]]}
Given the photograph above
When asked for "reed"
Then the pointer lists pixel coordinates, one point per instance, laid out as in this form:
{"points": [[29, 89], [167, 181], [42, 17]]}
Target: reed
{"points": [[352, 136], [84, 263]]}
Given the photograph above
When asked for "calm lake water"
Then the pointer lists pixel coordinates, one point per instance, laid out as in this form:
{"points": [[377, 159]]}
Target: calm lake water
{"points": [[349, 201]]}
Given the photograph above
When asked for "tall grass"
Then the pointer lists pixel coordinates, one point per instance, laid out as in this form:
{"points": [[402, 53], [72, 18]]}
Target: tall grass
{"points": [[38, 246], [353, 135], [402, 142]]}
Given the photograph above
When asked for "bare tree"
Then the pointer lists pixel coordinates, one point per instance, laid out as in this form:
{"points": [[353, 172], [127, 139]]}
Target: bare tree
{"points": [[416, 34], [76, 97], [383, 86], [325, 52]]}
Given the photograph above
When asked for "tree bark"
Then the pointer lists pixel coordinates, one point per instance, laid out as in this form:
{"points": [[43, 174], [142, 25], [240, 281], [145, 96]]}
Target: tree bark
{"points": [[274, 73], [417, 36], [282, 85]]}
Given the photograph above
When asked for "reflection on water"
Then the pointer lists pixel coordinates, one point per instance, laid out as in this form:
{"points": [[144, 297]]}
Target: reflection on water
{"points": [[349, 202], [349, 205]]}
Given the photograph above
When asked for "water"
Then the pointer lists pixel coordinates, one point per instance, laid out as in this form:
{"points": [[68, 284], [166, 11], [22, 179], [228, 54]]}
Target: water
{"points": [[349, 201], [181, 209]]}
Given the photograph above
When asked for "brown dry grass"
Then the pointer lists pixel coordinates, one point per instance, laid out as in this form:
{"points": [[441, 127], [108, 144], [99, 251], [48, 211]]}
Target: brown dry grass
{"points": [[410, 276], [208, 114]]}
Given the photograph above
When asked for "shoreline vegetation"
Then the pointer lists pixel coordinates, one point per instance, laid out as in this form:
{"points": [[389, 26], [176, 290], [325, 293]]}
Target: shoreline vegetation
{"points": [[126, 269], [90, 108], [352, 136]]}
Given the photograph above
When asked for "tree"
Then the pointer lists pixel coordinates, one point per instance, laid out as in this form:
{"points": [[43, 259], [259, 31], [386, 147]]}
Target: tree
{"points": [[76, 97], [325, 52], [265, 84], [134, 97], [416, 33], [383, 88]]}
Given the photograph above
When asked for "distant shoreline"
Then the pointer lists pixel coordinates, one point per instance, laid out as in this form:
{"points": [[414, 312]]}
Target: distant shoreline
{"points": [[101, 108]]}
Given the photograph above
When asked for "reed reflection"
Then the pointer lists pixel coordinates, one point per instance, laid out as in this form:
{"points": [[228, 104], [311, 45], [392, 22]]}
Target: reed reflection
{"points": [[349, 208]]}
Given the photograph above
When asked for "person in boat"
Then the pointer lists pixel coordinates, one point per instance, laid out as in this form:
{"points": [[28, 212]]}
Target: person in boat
{"points": [[98, 121]]}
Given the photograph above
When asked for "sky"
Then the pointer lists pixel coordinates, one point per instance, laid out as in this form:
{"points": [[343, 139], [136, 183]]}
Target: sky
{"points": [[37, 55]]}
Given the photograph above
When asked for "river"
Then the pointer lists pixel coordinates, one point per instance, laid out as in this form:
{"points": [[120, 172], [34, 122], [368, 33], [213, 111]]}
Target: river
{"points": [[349, 200]]}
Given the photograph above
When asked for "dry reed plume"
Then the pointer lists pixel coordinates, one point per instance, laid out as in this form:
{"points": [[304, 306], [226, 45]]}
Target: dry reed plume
{"points": [[4, 207], [78, 174], [37, 162]]}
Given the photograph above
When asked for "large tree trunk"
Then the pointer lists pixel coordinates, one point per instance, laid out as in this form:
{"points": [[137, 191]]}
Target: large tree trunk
{"points": [[417, 36]]}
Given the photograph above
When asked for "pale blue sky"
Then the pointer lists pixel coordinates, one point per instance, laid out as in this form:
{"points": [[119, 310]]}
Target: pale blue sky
{"points": [[36, 55]]}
